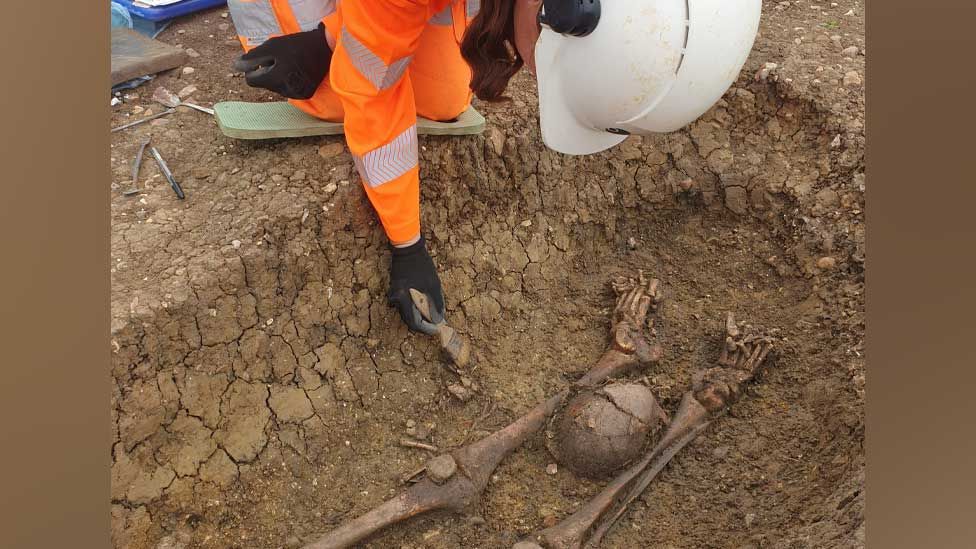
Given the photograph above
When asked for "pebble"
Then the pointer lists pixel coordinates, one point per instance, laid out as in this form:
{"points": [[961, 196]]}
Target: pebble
{"points": [[192, 52], [850, 51], [181, 31], [852, 79], [188, 70], [766, 70], [137, 109], [223, 15], [331, 149], [721, 452], [187, 91], [115, 101], [235, 243], [826, 262], [293, 542], [223, 26], [632, 243], [750, 518], [330, 188], [459, 392], [552, 469]]}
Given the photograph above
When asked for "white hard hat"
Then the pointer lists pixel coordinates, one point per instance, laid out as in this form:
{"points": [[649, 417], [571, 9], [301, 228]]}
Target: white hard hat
{"points": [[636, 66]]}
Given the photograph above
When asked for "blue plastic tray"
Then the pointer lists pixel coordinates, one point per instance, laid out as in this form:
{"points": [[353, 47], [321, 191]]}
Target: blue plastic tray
{"points": [[168, 12]]}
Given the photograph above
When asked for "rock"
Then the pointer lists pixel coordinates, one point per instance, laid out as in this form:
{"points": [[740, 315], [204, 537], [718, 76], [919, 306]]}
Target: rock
{"points": [[331, 149], [852, 79], [188, 70], [632, 243], [192, 52], [552, 469], [750, 518], [497, 139], [187, 91], [290, 404], [330, 188], [766, 71], [826, 263], [850, 51], [115, 101], [441, 468], [459, 392], [737, 199]]}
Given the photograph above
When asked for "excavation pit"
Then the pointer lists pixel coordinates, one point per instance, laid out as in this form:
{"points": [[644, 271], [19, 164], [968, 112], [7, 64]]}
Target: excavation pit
{"points": [[261, 383]]}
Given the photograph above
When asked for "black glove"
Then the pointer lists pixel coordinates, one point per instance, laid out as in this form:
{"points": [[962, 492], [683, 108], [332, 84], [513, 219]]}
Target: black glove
{"points": [[292, 65], [412, 267]]}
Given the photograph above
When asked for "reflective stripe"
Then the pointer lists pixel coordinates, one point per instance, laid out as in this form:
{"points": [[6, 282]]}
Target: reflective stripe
{"points": [[443, 17], [254, 20], [370, 65], [308, 13], [390, 161], [473, 7]]}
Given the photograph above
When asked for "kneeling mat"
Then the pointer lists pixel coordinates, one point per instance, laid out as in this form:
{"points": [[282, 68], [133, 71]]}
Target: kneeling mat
{"points": [[242, 120]]}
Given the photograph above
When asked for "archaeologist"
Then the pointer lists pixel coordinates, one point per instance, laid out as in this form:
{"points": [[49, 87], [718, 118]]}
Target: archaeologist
{"points": [[376, 65]]}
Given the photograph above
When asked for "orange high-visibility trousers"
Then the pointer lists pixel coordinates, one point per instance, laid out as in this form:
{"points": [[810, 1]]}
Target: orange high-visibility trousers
{"points": [[393, 60]]}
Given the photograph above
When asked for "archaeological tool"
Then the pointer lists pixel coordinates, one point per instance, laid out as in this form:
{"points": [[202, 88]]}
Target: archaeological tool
{"points": [[451, 341], [172, 100], [169, 175], [146, 119], [135, 169]]}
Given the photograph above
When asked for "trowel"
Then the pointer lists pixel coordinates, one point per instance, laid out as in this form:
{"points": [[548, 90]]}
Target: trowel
{"points": [[453, 344]]}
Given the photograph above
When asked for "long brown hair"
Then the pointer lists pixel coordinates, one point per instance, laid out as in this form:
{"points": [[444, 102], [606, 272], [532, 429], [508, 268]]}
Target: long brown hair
{"points": [[489, 48]]}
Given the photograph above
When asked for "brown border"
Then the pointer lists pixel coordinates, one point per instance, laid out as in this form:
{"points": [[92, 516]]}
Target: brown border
{"points": [[921, 289], [54, 227]]}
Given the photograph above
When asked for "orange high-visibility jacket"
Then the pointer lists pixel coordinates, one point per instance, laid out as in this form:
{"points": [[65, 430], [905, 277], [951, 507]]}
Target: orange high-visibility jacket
{"points": [[393, 60]]}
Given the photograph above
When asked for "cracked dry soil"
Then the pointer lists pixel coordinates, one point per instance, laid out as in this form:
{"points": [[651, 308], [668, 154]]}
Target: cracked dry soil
{"points": [[260, 383]]}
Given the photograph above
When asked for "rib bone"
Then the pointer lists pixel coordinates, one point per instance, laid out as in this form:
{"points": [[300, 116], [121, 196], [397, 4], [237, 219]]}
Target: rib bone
{"points": [[476, 462]]}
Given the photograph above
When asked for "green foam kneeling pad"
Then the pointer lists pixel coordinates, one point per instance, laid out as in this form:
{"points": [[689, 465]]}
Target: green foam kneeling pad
{"points": [[243, 120]]}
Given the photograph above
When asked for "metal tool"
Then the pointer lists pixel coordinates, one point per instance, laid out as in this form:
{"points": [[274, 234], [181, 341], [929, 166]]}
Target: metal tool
{"points": [[135, 169], [169, 175], [170, 99], [146, 119], [453, 344]]}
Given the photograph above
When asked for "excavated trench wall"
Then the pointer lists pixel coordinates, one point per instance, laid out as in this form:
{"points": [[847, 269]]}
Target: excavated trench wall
{"points": [[260, 381]]}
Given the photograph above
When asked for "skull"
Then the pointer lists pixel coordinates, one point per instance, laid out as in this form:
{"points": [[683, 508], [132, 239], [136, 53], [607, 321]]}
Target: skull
{"points": [[601, 430]]}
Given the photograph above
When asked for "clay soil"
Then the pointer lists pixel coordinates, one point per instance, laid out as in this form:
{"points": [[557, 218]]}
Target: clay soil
{"points": [[261, 384]]}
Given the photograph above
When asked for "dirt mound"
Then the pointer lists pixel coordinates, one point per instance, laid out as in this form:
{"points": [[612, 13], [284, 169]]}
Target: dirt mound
{"points": [[261, 382]]}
